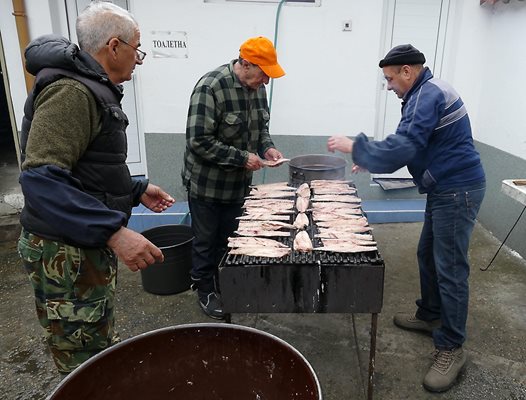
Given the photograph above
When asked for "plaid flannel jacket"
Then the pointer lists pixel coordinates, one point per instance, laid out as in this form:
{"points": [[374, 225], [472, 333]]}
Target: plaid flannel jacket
{"points": [[226, 122]]}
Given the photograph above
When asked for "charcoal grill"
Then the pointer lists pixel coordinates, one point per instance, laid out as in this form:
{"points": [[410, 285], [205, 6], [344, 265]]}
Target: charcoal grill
{"points": [[303, 283], [317, 282]]}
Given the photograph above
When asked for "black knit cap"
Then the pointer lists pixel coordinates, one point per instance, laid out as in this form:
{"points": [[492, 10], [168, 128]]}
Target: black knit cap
{"points": [[405, 54]]}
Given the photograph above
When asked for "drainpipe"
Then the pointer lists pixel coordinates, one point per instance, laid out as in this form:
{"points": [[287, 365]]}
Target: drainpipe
{"points": [[271, 94], [19, 11]]}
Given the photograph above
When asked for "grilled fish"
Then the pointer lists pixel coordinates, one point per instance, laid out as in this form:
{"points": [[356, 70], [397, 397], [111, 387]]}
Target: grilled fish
{"points": [[302, 203], [346, 248], [261, 251], [301, 221], [302, 242], [244, 241]]}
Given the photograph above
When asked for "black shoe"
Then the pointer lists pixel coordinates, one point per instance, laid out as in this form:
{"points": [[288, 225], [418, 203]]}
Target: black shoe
{"points": [[211, 305]]}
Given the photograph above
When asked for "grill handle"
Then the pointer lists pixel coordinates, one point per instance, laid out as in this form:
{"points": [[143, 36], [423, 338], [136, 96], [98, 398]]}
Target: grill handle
{"points": [[296, 174]]}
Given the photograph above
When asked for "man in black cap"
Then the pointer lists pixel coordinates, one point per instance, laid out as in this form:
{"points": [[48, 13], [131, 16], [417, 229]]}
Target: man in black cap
{"points": [[434, 141]]}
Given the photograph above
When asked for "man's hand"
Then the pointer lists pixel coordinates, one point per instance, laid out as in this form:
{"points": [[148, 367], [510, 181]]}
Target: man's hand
{"points": [[356, 168], [156, 199], [134, 250], [254, 162], [340, 143], [273, 154]]}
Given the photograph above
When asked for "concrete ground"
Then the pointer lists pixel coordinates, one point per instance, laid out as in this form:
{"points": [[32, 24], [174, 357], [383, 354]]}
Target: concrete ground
{"points": [[337, 350], [336, 345]]}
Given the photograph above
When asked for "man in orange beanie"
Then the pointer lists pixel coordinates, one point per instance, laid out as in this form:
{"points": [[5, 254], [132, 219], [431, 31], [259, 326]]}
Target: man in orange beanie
{"points": [[227, 139]]}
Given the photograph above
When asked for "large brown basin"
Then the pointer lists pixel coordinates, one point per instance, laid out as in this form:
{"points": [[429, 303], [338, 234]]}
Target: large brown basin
{"points": [[197, 361]]}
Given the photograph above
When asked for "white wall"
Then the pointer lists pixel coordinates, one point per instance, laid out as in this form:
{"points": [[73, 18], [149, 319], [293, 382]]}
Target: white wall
{"points": [[330, 85], [331, 80], [486, 65]]}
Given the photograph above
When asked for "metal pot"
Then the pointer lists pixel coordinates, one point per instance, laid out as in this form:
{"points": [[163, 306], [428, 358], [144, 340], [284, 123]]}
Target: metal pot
{"points": [[316, 166]]}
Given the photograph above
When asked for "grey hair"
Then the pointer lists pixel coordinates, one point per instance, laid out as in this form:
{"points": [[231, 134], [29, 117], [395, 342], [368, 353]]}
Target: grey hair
{"points": [[100, 21]]}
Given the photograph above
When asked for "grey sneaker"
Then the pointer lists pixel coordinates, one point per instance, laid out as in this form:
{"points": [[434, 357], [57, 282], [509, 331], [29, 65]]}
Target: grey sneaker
{"points": [[412, 323], [444, 371], [211, 305]]}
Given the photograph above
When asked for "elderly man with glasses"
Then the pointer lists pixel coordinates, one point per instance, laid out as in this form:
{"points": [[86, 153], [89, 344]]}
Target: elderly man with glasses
{"points": [[78, 190]]}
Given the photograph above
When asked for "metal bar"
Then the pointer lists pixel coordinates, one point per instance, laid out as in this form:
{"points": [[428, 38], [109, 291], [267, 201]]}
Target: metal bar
{"points": [[358, 357], [372, 353]]}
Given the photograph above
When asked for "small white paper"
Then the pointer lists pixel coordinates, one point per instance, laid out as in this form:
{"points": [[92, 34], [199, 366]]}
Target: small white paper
{"points": [[169, 44]]}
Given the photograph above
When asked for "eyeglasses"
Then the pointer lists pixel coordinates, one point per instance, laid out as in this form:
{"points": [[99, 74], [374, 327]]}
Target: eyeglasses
{"points": [[139, 53]]}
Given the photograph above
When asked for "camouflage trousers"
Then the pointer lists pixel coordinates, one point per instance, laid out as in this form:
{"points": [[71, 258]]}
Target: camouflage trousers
{"points": [[74, 295]]}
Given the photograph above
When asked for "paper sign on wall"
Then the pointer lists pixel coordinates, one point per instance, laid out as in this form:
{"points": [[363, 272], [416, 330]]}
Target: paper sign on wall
{"points": [[169, 44]]}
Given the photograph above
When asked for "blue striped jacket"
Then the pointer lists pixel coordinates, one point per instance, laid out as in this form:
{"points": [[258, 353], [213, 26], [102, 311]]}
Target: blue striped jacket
{"points": [[433, 139]]}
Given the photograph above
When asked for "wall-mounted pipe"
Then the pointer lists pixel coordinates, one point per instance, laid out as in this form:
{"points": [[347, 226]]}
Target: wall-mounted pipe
{"points": [[276, 26], [271, 94], [19, 11]]}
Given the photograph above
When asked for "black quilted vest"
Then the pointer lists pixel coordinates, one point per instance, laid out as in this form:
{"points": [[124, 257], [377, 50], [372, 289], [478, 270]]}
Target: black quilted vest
{"points": [[102, 170]]}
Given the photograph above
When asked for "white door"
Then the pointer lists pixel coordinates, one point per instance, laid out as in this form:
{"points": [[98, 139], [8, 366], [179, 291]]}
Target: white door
{"points": [[423, 24], [136, 147]]}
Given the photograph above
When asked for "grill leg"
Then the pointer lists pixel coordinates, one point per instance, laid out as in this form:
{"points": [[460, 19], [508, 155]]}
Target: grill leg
{"points": [[228, 318], [372, 353]]}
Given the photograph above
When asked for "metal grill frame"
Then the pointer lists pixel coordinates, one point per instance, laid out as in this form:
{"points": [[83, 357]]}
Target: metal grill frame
{"points": [[302, 288], [306, 283]]}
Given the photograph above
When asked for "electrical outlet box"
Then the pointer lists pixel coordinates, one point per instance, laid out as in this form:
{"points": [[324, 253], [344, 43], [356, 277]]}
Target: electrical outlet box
{"points": [[347, 25]]}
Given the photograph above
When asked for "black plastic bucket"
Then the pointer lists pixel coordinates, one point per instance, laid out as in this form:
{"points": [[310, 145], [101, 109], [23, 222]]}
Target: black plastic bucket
{"points": [[173, 275], [195, 361]]}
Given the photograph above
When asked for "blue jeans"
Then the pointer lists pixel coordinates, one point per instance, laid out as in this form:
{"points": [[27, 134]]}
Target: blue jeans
{"points": [[443, 261]]}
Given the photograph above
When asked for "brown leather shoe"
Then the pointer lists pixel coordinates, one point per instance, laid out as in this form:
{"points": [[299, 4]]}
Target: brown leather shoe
{"points": [[444, 371], [412, 323]]}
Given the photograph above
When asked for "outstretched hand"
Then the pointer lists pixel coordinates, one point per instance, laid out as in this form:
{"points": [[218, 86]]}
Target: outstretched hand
{"points": [[273, 154], [356, 168], [340, 143], [156, 199], [273, 157]]}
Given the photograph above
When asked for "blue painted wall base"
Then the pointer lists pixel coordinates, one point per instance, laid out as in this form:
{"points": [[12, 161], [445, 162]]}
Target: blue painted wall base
{"points": [[387, 211], [142, 218]]}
